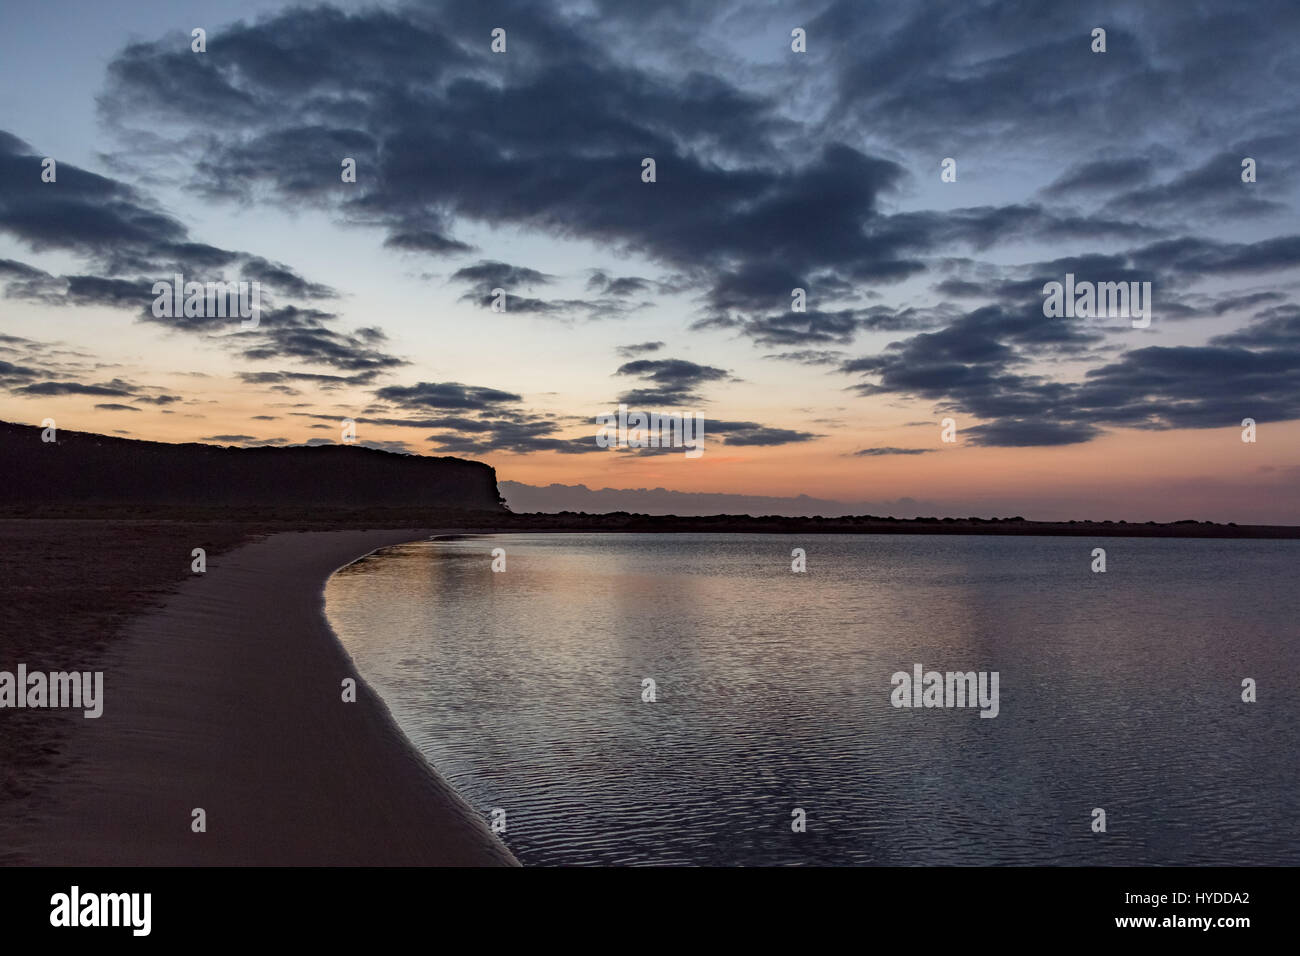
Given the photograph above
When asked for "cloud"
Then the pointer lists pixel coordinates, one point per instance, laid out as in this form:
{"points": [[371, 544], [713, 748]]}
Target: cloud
{"points": [[9, 372], [277, 380], [770, 177], [1236, 302], [883, 451], [1213, 188], [292, 334], [116, 388], [574, 175], [1103, 175], [803, 328], [670, 381], [826, 357], [941, 78], [623, 286], [643, 348], [979, 367], [554, 146], [117, 229], [815, 327], [434, 243], [752, 433], [425, 395], [132, 244], [488, 274], [1018, 433], [475, 420], [517, 438]]}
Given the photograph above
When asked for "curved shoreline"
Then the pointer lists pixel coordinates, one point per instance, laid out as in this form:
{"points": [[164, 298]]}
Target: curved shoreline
{"points": [[228, 697]]}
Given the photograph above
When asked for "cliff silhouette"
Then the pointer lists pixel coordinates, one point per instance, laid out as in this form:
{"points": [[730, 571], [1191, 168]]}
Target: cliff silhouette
{"points": [[83, 468]]}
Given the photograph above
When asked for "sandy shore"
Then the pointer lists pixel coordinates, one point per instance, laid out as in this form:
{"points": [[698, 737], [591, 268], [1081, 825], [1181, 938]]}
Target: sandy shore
{"points": [[228, 698]]}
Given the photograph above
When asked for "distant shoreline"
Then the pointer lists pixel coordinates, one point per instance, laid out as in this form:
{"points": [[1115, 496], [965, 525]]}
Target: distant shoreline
{"points": [[270, 520]]}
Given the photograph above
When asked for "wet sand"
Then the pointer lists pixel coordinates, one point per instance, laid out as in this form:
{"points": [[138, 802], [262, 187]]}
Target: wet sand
{"points": [[228, 697]]}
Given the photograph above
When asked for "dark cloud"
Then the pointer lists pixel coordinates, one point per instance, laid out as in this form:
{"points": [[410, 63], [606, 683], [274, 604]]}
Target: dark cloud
{"points": [[749, 204], [452, 395], [487, 275], [669, 381], [815, 327], [940, 78], [516, 438], [1018, 433], [42, 369], [1213, 188], [563, 309], [1103, 175], [9, 372], [879, 318], [979, 368], [809, 357], [277, 380], [498, 429], [886, 450], [759, 286], [554, 146], [116, 388], [1249, 301], [631, 351], [623, 286], [1195, 257], [752, 433], [1275, 328], [434, 243], [117, 229], [310, 341], [960, 288], [803, 328], [9, 269]]}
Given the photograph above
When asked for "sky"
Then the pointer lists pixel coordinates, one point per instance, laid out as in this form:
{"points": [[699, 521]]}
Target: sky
{"points": [[775, 169]]}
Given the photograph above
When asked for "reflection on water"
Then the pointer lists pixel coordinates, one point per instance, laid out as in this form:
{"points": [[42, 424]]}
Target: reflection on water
{"points": [[1119, 690]]}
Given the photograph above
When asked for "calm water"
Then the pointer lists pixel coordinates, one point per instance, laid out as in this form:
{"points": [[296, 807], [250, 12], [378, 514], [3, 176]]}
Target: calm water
{"points": [[1119, 690]]}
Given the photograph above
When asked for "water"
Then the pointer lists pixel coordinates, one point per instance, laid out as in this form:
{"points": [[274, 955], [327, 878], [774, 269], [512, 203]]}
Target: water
{"points": [[1119, 691]]}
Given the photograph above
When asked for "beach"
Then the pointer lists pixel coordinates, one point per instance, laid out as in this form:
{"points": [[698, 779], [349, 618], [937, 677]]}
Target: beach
{"points": [[228, 697], [224, 691]]}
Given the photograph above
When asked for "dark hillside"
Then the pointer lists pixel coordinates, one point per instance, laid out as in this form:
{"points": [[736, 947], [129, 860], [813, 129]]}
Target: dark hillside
{"points": [[82, 468]]}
